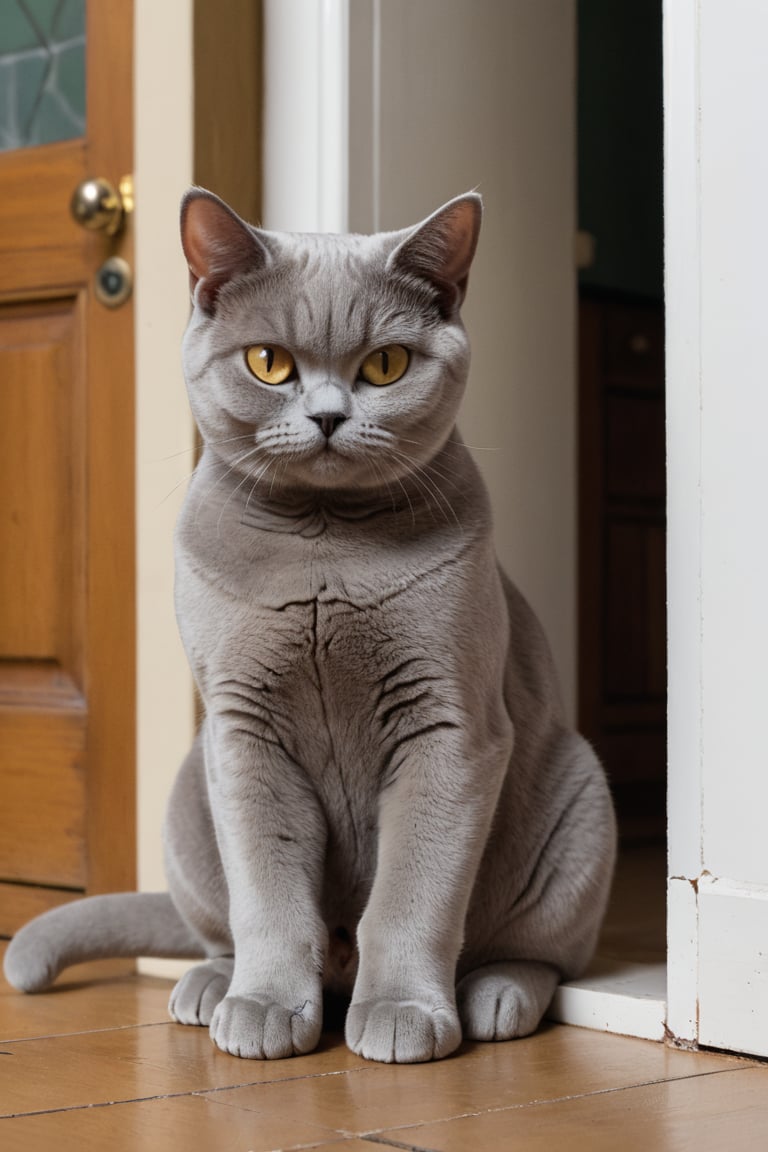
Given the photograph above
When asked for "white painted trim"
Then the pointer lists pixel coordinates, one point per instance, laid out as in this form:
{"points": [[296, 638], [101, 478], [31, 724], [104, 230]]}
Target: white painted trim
{"points": [[682, 199], [306, 115], [715, 189], [732, 974], [629, 999], [682, 209], [682, 958]]}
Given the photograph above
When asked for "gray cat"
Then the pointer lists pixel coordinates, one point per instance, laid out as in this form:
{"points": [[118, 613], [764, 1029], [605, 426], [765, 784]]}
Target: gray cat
{"points": [[384, 799]]}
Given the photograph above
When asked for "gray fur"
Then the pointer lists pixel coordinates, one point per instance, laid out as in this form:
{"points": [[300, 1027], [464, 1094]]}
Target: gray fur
{"points": [[384, 798]]}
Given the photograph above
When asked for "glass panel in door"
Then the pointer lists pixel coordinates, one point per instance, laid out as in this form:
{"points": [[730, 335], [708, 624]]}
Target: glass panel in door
{"points": [[42, 72]]}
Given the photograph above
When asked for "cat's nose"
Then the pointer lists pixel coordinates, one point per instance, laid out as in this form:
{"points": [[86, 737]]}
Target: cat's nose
{"points": [[328, 422]]}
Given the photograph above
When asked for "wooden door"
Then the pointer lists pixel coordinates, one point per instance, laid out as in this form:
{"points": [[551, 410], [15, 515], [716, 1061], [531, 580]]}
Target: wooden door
{"points": [[67, 697]]}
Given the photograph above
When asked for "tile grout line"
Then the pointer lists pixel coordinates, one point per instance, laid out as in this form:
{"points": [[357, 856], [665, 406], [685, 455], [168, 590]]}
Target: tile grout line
{"points": [[85, 1032], [383, 1142], [198, 1093], [271, 1083], [373, 1133], [379, 1136]]}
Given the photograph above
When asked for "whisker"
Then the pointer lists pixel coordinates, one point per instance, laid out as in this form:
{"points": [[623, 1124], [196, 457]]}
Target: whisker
{"points": [[380, 474], [239, 460], [422, 487], [184, 480], [453, 443], [443, 501], [284, 463], [407, 497], [210, 443], [259, 475], [449, 478], [233, 493], [474, 447]]}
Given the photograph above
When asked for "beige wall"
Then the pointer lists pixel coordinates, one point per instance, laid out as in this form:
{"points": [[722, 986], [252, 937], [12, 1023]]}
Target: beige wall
{"points": [[163, 104]]}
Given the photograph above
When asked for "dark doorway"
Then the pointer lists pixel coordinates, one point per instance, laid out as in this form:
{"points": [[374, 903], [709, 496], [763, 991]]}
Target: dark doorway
{"points": [[622, 490]]}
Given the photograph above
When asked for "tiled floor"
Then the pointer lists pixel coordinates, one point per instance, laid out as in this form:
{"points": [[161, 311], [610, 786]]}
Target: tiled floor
{"points": [[96, 1064]]}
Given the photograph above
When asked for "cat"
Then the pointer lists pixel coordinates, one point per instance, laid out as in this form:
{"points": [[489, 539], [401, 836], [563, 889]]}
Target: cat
{"points": [[384, 798]]}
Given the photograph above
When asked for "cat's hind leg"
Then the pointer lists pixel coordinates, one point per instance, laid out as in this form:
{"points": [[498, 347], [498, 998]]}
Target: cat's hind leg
{"points": [[506, 1000], [200, 990], [522, 939]]}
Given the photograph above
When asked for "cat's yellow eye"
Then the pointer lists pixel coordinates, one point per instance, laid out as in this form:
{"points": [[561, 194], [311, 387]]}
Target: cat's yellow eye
{"points": [[270, 363], [385, 365]]}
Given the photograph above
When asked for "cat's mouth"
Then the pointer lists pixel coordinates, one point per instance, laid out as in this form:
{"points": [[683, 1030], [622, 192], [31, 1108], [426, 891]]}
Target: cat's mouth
{"points": [[327, 465], [329, 456]]}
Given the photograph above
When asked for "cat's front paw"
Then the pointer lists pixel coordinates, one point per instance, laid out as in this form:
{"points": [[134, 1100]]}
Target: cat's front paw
{"points": [[194, 999], [402, 1031], [258, 1028], [506, 1000]]}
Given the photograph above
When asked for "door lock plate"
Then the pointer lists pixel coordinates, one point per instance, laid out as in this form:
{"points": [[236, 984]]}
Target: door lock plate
{"points": [[114, 282]]}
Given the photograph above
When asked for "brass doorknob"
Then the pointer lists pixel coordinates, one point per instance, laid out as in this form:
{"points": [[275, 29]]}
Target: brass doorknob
{"points": [[99, 206]]}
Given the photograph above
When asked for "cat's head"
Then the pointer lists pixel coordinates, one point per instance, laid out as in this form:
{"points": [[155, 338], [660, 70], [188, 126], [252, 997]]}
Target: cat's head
{"points": [[324, 361]]}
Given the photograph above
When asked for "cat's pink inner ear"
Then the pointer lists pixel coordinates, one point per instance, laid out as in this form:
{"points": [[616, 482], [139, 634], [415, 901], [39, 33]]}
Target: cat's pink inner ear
{"points": [[218, 245], [442, 248]]}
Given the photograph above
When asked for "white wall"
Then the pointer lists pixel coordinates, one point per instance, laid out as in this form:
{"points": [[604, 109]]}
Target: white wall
{"points": [[443, 96], [163, 125]]}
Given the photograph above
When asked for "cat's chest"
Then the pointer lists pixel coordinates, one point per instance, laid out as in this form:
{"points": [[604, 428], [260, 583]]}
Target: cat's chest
{"points": [[323, 663], [329, 602]]}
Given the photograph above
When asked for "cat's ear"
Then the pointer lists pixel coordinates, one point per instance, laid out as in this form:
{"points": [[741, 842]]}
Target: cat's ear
{"points": [[441, 249], [218, 245]]}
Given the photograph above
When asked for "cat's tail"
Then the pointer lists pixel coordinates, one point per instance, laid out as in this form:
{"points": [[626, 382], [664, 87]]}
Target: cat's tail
{"points": [[124, 924]]}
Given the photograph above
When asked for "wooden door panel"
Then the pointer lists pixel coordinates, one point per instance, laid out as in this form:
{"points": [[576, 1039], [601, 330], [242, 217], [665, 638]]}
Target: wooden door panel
{"points": [[36, 195], [67, 534], [42, 482], [43, 714], [42, 819]]}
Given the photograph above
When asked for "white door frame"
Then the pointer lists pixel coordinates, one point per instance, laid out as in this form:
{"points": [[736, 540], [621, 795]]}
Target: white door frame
{"points": [[716, 189]]}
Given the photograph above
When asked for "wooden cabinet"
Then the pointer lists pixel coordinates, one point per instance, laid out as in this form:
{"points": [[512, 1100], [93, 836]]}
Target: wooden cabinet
{"points": [[622, 547]]}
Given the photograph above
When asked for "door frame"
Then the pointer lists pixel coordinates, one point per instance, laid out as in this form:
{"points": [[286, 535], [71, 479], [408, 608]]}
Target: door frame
{"points": [[716, 185]]}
